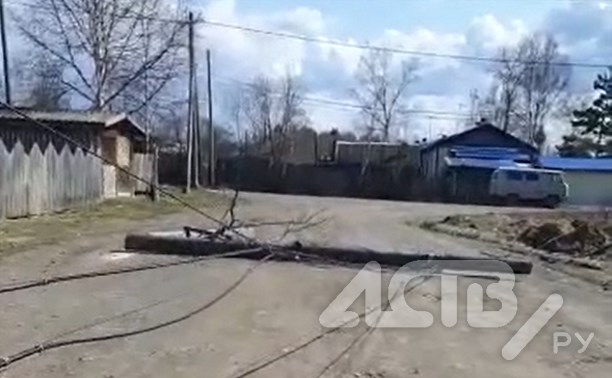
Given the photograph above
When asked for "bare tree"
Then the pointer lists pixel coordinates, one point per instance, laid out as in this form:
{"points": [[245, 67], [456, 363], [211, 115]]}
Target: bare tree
{"points": [[236, 111], [529, 83], [41, 78], [506, 89], [274, 111], [381, 90], [170, 126], [106, 51], [541, 84]]}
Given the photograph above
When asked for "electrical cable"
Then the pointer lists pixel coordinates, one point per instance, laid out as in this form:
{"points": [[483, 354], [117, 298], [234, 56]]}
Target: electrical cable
{"points": [[288, 351], [368, 331], [363, 46], [347, 105], [7, 361], [77, 276], [86, 149], [336, 42]]}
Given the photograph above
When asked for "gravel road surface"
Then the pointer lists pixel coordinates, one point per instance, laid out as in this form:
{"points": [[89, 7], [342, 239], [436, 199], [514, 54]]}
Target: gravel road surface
{"points": [[279, 304]]}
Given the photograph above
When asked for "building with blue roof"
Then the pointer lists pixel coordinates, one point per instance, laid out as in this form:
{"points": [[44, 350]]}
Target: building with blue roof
{"points": [[459, 167], [589, 179]]}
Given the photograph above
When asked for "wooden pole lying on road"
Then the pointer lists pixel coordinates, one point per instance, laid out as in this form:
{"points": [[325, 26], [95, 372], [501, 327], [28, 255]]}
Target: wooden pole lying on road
{"points": [[182, 245]]}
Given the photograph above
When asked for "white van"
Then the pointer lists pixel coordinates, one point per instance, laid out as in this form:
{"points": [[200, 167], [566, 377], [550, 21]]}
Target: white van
{"points": [[513, 185]]}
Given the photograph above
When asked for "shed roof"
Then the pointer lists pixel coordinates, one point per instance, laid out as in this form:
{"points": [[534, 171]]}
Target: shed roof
{"points": [[106, 119], [576, 164]]}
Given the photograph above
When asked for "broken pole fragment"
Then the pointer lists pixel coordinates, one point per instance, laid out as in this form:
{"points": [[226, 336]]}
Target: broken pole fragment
{"points": [[180, 245]]}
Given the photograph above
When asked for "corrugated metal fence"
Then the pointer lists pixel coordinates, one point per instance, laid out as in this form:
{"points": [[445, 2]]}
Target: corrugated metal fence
{"points": [[39, 181]]}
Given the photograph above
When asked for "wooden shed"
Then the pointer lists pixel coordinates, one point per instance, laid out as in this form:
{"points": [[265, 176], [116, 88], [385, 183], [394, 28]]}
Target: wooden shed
{"points": [[41, 172]]}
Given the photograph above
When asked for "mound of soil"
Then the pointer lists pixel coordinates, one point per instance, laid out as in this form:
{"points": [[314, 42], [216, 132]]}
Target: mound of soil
{"points": [[575, 237]]}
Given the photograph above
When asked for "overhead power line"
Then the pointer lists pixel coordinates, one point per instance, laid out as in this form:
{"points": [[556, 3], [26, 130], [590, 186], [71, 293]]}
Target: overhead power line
{"points": [[350, 105], [354, 45], [365, 46]]}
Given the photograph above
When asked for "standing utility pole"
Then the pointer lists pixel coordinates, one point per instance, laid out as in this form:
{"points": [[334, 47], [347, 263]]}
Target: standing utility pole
{"points": [[146, 42], [7, 83], [212, 159], [196, 129], [198, 133], [190, 107]]}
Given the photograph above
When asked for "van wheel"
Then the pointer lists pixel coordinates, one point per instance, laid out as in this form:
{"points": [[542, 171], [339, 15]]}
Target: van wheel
{"points": [[552, 201], [512, 200]]}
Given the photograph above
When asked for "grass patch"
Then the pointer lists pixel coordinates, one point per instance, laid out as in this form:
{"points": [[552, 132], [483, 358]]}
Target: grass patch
{"points": [[20, 234]]}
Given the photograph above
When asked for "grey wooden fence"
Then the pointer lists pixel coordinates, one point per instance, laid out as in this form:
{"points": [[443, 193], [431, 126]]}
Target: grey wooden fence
{"points": [[143, 166], [41, 181]]}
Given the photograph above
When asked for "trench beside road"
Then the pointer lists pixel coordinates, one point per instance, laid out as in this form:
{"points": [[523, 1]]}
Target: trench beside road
{"points": [[279, 304]]}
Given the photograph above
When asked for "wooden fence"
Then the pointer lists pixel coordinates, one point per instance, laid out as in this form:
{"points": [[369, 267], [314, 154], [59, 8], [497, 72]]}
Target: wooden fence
{"points": [[143, 166], [39, 181]]}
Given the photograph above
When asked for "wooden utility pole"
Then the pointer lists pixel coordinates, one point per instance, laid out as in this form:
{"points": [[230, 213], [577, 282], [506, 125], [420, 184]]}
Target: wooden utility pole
{"points": [[7, 82], [198, 131], [212, 159], [190, 107]]}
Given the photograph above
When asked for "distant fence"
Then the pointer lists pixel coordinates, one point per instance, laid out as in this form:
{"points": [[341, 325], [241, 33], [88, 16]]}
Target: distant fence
{"points": [[386, 182], [39, 181]]}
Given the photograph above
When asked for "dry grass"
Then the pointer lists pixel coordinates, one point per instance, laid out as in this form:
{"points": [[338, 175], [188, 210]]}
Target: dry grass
{"points": [[20, 234]]}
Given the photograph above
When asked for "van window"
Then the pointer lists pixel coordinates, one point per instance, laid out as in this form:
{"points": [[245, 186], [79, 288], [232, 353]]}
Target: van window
{"points": [[532, 176], [514, 175]]}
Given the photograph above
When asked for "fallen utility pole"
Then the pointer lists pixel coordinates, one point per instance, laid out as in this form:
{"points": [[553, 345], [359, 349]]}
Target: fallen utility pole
{"points": [[181, 244]]}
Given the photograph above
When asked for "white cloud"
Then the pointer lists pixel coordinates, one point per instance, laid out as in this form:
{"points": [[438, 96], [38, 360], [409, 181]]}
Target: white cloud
{"points": [[486, 34], [248, 55], [443, 85]]}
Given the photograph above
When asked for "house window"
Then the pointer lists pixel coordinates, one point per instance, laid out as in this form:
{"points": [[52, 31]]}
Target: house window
{"points": [[531, 176], [514, 175]]}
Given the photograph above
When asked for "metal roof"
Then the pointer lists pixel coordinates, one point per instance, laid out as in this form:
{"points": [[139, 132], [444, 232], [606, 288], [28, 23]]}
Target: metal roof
{"points": [[526, 168], [484, 126], [481, 163], [576, 164], [491, 153], [83, 117]]}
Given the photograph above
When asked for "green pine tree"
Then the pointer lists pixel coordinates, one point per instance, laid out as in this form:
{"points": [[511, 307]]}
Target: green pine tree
{"points": [[593, 123]]}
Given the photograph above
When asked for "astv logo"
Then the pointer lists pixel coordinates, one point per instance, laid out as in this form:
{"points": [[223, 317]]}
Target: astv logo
{"points": [[400, 315]]}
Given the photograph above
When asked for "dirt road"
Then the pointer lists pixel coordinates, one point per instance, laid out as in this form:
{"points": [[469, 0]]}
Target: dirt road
{"points": [[279, 304]]}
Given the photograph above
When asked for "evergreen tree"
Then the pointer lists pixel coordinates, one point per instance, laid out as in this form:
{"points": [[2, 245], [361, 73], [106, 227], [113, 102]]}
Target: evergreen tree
{"points": [[593, 124]]}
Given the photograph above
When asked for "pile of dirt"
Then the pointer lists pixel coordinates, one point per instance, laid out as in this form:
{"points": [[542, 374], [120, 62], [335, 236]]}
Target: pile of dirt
{"points": [[459, 220], [572, 236]]}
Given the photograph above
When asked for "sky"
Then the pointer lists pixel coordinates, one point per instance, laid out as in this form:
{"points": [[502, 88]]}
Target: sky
{"points": [[469, 27], [480, 28]]}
